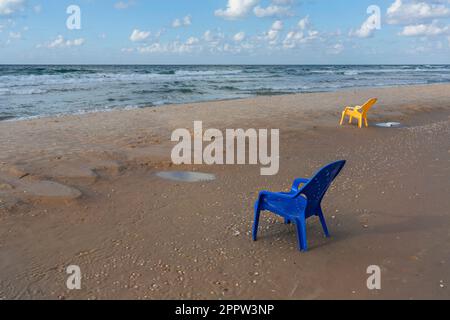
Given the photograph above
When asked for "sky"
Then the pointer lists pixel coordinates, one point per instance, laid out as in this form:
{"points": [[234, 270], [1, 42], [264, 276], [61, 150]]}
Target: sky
{"points": [[224, 31]]}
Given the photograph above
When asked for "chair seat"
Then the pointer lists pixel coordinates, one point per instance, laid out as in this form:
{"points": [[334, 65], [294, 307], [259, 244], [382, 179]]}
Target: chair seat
{"points": [[353, 112], [285, 208]]}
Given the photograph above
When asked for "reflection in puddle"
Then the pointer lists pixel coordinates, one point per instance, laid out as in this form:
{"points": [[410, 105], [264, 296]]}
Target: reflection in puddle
{"points": [[389, 125], [185, 176]]}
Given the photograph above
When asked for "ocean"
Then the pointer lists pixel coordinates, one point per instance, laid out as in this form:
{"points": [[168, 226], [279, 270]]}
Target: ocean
{"points": [[29, 91]]}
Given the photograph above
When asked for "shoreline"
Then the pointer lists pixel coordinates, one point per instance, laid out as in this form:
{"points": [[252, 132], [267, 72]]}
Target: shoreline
{"points": [[132, 108]]}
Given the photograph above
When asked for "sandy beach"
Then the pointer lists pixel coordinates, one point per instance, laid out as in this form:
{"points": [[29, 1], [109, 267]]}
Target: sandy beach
{"points": [[82, 190]]}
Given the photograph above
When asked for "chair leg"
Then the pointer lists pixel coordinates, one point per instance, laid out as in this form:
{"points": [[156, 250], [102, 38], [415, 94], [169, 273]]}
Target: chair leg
{"points": [[324, 223], [367, 122], [360, 122], [343, 118], [301, 234], [256, 223], [350, 121]]}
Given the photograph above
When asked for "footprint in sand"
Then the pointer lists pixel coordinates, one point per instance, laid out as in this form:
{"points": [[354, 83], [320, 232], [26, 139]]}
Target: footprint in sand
{"points": [[40, 190], [48, 191], [64, 172]]}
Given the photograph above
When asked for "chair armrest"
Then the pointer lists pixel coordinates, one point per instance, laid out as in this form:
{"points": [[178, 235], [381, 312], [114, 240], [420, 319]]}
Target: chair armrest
{"points": [[298, 182]]}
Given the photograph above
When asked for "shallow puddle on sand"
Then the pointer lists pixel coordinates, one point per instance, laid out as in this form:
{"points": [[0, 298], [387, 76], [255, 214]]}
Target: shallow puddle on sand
{"points": [[390, 125], [186, 176]]}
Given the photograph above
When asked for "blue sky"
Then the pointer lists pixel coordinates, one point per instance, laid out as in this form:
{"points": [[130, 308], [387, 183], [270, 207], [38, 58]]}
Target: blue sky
{"points": [[226, 32]]}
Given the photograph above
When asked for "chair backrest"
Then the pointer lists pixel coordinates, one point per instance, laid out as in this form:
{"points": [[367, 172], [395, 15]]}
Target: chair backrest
{"points": [[316, 188], [368, 105]]}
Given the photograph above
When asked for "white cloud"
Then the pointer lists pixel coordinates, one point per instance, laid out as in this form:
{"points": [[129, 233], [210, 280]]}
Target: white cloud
{"points": [[187, 21], [122, 5], [413, 11], [238, 37], [8, 7], [418, 50], [152, 48], [176, 47], [304, 23], [60, 42], [159, 33], [277, 25], [213, 39], [271, 11], [236, 9], [420, 30], [208, 36], [273, 33], [184, 22], [15, 35], [283, 2], [302, 35], [37, 8], [425, 48], [138, 35], [235, 48], [292, 39], [127, 50], [296, 38], [75, 43], [176, 23], [336, 49], [192, 41], [366, 30]]}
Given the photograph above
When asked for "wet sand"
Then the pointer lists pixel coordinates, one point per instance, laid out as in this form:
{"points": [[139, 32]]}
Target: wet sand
{"points": [[83, 190]]}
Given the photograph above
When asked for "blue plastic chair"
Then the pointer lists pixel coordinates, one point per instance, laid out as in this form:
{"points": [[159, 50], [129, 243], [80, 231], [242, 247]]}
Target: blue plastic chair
{"points": [[301, 203]]}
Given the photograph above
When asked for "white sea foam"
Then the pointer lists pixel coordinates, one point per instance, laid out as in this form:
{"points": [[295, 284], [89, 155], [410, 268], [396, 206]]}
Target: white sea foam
{"points": [[207, 73], [5, 92]]}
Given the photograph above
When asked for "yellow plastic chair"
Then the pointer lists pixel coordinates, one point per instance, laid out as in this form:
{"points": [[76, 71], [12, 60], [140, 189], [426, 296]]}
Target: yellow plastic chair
{"points": [[359, 112]]}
